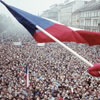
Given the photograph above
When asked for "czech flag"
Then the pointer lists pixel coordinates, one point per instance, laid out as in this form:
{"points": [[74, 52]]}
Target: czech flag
{"points": [[26, 77], [59, 31], [95, 70]]}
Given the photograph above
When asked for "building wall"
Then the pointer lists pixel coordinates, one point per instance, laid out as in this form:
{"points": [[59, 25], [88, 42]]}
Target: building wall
{"points": [[89, 20], [66, 14], [51, 13], [66, 11], [63, 12]]}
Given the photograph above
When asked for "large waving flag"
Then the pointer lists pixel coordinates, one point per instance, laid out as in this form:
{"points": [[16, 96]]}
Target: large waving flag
{"points": [[95, 70], [61, 32], [37, 26]]}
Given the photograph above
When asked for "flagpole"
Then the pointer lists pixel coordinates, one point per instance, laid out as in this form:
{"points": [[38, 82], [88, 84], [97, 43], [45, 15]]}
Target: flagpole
{"points": [[62, 44]]}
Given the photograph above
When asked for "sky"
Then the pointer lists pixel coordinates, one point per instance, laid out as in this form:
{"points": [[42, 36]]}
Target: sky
{"points": [[33, 6]]}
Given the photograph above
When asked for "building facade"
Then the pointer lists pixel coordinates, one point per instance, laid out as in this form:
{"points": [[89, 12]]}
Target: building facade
{"points": [[88, 17], [52, 13], [65, 13], [77, 13]]}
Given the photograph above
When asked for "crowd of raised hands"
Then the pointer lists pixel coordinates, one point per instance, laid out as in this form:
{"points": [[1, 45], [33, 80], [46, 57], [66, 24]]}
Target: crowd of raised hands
{"points": [[54, 73]]}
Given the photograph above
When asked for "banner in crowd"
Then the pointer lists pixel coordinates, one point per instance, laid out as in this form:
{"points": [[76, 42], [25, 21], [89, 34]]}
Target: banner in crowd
{"points": [[40, 44], [17, 43]]}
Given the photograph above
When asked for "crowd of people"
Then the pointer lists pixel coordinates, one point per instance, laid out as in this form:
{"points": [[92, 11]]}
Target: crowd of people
{"points": [[54, 73]]}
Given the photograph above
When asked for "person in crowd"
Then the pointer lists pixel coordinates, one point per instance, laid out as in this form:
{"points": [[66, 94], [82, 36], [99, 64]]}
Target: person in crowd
{"points": [[54, 73]]}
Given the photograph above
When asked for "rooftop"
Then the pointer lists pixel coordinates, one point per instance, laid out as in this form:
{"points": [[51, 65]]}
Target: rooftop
{"points": [[89, 7]]}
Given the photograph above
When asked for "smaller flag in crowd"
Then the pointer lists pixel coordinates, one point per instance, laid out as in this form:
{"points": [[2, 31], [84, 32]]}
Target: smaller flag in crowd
{"points": [[58, 32], [26, 77]]}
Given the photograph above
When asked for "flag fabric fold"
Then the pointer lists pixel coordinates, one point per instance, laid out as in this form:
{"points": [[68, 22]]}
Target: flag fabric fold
{"points": [[94, 71], [26, 77], [59, 31]]}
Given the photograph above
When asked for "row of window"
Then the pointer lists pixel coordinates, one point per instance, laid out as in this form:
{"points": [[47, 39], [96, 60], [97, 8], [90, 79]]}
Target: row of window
{"points": [[89, 22], [90, 14]]}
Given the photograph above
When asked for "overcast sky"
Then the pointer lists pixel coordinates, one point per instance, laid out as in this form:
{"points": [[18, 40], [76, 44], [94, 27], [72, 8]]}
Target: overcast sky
{"points": [[33, 6]]}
